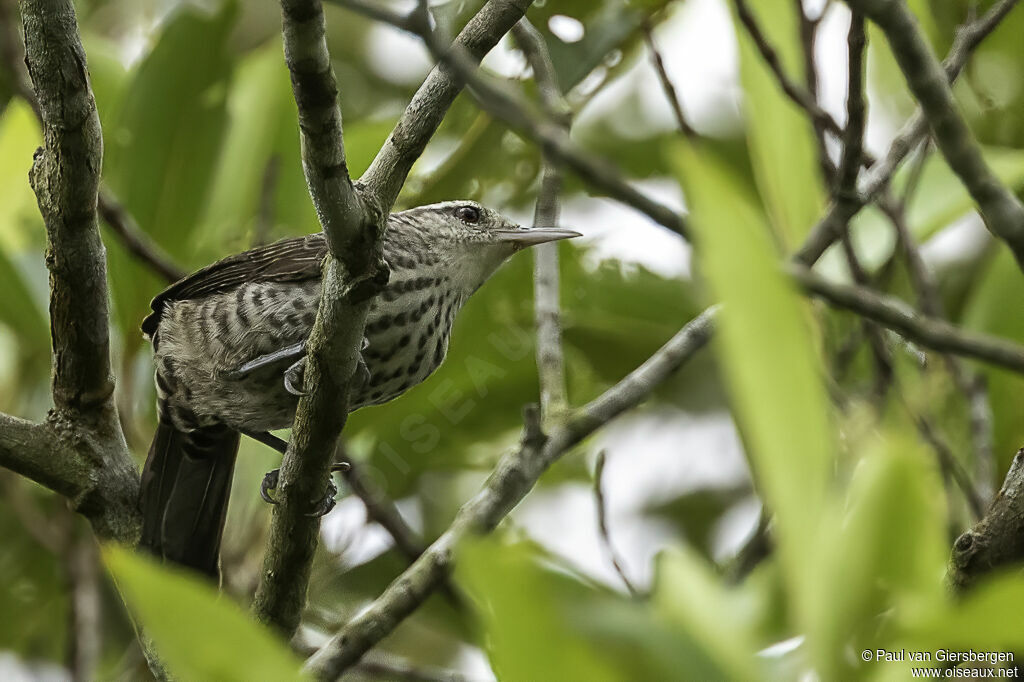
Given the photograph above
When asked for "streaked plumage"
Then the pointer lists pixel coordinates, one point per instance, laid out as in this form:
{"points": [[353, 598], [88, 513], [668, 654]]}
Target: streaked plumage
{"points": [[209, 324]]}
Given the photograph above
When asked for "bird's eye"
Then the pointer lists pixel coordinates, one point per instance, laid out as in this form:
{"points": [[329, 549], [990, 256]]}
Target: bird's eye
{"points": [[468, 214]]}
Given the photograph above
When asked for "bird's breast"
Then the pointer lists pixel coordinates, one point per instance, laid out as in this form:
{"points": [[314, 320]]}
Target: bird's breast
{"points": [[408, 338]]}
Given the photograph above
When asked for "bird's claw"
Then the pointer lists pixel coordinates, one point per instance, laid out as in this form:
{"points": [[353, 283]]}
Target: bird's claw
{"points": [[325, 505], [295, 375], [294, 378], [328, 501], [269, 483]]}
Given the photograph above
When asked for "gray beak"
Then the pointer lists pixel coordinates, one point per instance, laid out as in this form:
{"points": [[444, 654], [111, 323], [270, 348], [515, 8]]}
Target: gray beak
{"points": [[530, 236]]}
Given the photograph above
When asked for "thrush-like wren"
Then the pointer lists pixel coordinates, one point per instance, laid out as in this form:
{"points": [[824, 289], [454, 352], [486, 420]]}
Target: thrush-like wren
{"points": [[229, 344]]}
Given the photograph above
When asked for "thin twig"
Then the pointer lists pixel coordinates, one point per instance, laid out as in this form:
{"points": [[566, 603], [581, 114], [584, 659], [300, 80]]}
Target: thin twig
{"points": [[602, 525], [423, 115], [1002, 211], [856, 113], [513, 110], [949, 463], [825, 233], [756, 548], [382, 511], [968, 382], [135, 241], [927, 331], [666, 83], [546, 286], [795, 92], [846, 187], [808, 39]]}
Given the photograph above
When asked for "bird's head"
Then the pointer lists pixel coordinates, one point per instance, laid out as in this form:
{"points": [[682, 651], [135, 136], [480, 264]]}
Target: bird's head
{"points": [[474, 239]]}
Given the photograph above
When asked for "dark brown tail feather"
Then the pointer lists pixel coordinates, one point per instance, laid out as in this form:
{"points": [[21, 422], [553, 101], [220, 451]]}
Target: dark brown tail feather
{"points": [[184, 495]]}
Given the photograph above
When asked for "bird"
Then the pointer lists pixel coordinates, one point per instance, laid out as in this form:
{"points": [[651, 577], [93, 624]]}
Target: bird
{"points": [[229, 353]]}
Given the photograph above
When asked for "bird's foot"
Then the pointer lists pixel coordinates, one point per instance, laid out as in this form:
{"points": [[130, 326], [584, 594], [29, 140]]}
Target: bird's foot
{"points": [[295, 377], [268, 485], [326, 504]]}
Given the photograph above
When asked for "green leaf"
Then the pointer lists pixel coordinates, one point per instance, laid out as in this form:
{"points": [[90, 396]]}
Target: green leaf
{"points": [[529, 635], [769, 358], [34, 598], [199, 634], [691, 597], [259, 104], [887, 545], [20, 226], [107, 73], [607, 27], [697, 513], [19, 138], [987, 619], [780, 137], [162, 146]]}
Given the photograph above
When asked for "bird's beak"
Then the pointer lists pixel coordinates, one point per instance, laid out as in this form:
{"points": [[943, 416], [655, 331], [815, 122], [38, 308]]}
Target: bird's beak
{"points": [[530, 236]]}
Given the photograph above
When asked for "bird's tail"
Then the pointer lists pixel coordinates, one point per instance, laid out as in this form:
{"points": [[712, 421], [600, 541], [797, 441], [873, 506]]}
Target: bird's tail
{"points": [[184, 494]]}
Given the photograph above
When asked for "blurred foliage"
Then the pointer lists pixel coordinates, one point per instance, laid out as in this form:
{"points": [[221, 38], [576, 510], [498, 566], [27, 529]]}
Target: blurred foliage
{"points": [[202, 148], [192, 628]]}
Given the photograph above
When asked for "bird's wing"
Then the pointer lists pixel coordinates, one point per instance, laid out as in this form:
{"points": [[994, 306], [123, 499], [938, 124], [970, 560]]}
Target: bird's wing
{"points": [[288, 260]]}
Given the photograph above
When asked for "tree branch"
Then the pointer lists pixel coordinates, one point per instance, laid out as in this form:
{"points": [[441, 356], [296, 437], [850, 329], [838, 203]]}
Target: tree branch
{"points": [[546, 286], [800, 96], [134, 240], [388, 171], [856, 113], [81, 460], [383, 512], [828, 228], [602, 526], [666, 83], [896, 315], [845, 186], [33, 451], [353, 274], [65, 177], [996, 540], [511, 480], [1002, 211], [514, 111], [80, 451]]}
